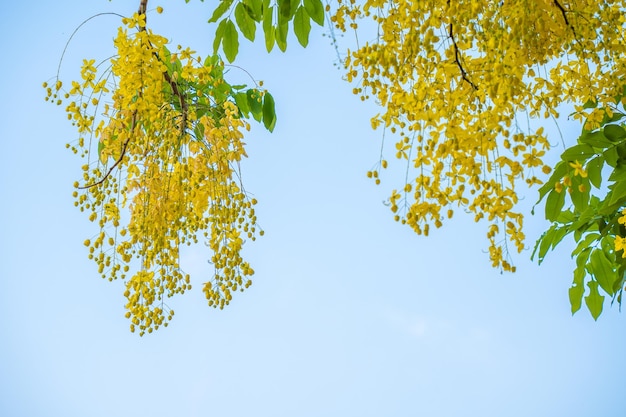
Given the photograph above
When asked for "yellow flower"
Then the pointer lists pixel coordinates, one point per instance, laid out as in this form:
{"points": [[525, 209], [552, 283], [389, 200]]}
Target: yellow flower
{"points": [[578, 169], [558, 187], [620, 244]]}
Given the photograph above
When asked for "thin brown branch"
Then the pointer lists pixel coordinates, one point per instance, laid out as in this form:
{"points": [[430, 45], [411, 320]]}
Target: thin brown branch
{"points": [[117, 162], [177, 93], [143, 6], [110, 169], [564, 14], [457, 59]]}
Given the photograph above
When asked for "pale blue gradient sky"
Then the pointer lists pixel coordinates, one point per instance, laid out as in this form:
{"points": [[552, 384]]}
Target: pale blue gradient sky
{"points": [[350, 313]]}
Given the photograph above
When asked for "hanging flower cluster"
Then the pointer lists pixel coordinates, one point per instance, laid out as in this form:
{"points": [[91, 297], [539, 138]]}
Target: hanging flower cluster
{"points": [[459, 80], [162, 134]]}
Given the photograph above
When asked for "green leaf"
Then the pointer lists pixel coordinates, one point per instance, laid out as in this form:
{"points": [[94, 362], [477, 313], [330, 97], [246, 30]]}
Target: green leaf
{"points": [[577, 290], [293, 8], [559, 235], [222, 91], [581, 262], [611, 156], [618, 284], [315, 9], [198, 132], [546, 243], [269, 112], [578, 153], [246, 24], [586, 243], [219, 34], [576, 297], [608, 244], [211, 61], [255, 103], [166, 57], [621, 151], [268, 29], [594, 300], [582, 222], [615, 117], [607, 208], [602, 270], [618, 174], [560, 169], [580, 198], [565, 217], [284, 10], [254, 9], [590, 104], [614, 132], [595, 139], [618, 98], [241, 99], [594, 170], [230, 41], [618, 193], [302, 26], [549, 239], [281, 35], [554, 204], [220, 10]]}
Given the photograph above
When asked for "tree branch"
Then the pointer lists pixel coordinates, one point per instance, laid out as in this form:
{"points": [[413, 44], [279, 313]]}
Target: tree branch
{"points": [[564, 14], [143, 6], [457, 59], [177, 93], [117, 162]]}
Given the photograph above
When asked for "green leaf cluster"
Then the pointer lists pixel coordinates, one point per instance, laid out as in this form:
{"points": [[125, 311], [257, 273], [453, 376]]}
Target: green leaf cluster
{"points": [[580, 203], [249, 101], [274, 17], [206, 98]]}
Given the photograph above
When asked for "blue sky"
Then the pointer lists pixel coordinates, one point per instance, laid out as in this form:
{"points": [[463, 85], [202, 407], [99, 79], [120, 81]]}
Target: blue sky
{"points": [[350, 313]]}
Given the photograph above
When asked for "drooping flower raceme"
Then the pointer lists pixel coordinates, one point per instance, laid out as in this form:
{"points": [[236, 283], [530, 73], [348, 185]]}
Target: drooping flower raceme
{"points": [[163, 138], [458, 81]]}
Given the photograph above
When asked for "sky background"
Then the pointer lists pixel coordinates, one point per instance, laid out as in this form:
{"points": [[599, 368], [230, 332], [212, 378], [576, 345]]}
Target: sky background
{"points": [[350, 313]]}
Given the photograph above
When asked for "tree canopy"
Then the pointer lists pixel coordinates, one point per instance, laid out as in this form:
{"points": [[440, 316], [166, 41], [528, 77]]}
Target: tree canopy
{"points": [[465, 89]]}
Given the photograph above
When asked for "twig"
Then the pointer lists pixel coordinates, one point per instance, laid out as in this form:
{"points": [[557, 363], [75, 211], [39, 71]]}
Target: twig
{"points": [[177, 93], [143, 6], [457, 56], [74, 33], [117, 162], [563, 13]]}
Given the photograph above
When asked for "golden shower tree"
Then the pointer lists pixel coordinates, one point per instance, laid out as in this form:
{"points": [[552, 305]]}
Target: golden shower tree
{"points": [[465, 90], [162, 134]]}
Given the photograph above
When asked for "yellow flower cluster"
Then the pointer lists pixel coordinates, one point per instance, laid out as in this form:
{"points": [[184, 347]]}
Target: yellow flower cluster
{"points": [[456, 78], [620, 242], [163, 149]]}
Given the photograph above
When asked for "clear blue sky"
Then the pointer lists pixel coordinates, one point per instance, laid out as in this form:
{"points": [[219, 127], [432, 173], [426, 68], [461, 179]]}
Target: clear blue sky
{"points": [[350, 313]]}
